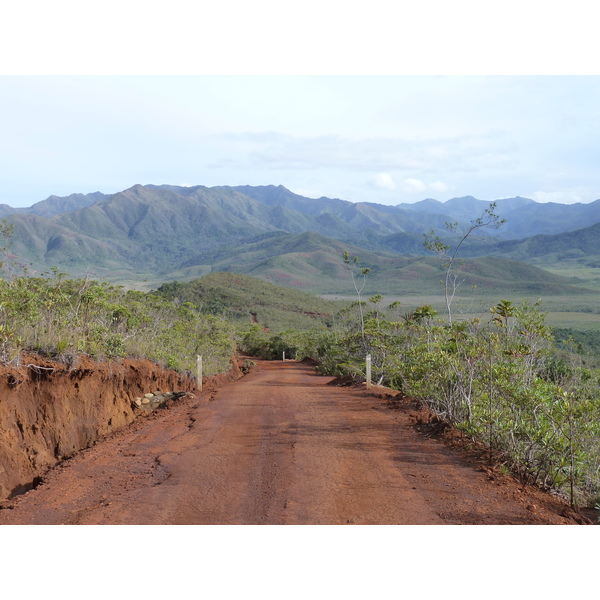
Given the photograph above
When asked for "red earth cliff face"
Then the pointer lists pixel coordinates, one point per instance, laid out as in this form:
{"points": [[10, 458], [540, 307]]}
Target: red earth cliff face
{"points": [[49, 411]]}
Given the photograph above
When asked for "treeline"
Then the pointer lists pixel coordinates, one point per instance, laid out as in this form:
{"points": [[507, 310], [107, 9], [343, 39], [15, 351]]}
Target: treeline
{"points": [[585, 342], [501, 380]]}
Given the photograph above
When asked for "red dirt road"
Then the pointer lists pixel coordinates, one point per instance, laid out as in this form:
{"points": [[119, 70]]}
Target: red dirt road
{"points": [[278, 446]]}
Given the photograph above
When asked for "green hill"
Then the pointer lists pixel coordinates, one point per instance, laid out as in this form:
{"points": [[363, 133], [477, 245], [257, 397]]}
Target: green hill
{"points": [[313, 263], [249, 300]]}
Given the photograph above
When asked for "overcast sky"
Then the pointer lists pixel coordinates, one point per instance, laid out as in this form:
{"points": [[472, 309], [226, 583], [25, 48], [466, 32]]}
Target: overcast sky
{"points": [[386, 139]]}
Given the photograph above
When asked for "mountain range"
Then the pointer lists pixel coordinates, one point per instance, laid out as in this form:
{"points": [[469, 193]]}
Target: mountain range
{"points": [[160, 233]]}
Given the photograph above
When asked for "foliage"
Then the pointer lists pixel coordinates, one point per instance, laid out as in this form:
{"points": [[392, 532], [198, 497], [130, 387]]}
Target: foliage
{"points": [[62, 318], [243, 299], [582, 342]]}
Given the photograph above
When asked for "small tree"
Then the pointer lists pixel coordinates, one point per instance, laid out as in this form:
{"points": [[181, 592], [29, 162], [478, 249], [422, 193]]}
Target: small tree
{"points": [[424, 314], [364, 272], [504, 310], [432, 242]]}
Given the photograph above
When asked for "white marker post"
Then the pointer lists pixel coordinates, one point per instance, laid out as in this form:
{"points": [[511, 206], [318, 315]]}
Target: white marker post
{"points": [[199, 361], [368, 361]]}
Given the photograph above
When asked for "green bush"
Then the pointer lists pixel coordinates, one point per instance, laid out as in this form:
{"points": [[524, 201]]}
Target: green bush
{"points": [[61, 317]]}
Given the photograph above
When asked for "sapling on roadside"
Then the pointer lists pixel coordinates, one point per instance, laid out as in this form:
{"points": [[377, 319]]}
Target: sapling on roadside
{"points": [[432, 242]]}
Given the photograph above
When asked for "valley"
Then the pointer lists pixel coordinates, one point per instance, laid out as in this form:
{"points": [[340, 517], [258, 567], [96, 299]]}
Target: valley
{"points": [[147, 236]]}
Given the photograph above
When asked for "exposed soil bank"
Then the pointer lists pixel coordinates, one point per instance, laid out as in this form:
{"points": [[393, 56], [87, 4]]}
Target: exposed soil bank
{"points": [[49, 411]]}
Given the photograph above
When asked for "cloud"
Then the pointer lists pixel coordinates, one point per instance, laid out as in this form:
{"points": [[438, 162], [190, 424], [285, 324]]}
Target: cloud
{"points": [[562, 197], [272, 150], [414, 185], [438, 186], [383, 181]]}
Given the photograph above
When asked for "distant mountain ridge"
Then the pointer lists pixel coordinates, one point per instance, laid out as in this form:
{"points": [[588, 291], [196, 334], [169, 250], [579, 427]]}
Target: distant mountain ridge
{"points": [[54, 205], [160, 232], [524, 217]]}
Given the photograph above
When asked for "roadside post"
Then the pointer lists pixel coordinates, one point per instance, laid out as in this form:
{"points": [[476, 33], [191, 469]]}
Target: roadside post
{"points": [[368, 371], [199, 363]]}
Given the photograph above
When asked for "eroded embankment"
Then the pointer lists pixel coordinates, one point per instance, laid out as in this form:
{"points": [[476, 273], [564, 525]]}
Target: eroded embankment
{"points": [[48, 411]]}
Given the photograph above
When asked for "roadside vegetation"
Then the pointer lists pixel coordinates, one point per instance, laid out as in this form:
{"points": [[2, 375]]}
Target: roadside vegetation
{"points": [[62, 318]]}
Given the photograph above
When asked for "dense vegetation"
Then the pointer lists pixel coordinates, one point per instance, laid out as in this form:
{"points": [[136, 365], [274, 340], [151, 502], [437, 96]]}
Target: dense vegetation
{"points": [[586, 343], [63, 317]]}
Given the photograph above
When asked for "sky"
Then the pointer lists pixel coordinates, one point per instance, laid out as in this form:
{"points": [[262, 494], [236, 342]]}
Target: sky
{"points": [[385, 139], [385, 109]]}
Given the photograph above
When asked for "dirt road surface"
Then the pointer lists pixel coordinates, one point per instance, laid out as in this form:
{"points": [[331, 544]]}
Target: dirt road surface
{"points": [[279, 446]]}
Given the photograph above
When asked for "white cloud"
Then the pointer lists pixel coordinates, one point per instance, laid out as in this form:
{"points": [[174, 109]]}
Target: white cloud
{"points": [[272, 150], [414, 185], [562, 197], [438, 186], [383, 181]]}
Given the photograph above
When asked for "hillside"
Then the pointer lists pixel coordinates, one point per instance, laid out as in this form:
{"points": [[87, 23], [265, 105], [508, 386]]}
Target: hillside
{"points": [[582, 245], [524, 217], [313, 263], [337, 218], [249, 300]]}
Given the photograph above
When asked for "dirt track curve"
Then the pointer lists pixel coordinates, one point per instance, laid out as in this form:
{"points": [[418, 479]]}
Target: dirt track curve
{"points": [[278, 447]]}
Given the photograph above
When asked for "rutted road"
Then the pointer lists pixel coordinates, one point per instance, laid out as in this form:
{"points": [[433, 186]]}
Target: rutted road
{"points": [[278, 446]]}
